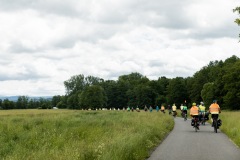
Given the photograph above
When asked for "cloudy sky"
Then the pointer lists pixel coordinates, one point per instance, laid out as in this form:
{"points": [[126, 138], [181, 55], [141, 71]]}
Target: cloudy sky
{"points": [[45, 42]]}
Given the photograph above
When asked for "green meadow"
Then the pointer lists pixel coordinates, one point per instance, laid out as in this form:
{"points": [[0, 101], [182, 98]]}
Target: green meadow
{"points": [[84, 135], [231, 125]]}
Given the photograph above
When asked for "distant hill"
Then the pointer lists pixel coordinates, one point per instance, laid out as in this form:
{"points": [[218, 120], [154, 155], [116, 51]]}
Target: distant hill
{"points": [[15, 98]]}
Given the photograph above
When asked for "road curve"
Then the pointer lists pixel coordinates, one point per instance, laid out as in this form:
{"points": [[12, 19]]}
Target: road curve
{"points": [[183, 143]]}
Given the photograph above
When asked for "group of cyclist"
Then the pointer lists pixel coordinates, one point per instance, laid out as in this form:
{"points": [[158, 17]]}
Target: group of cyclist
{"points": [[199, 112]]}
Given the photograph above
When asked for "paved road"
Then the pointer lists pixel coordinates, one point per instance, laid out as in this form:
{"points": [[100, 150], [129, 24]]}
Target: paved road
{"points": [[183, 143]]}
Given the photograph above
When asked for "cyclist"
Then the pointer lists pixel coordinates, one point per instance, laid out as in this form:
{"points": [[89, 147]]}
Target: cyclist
{"points": [[150, 109], [214, 110], [145, 108], [181, 108], [194, 111], [162, 109], [202, 109], [137, 109], [157, 108], [169, 109], [184, 110], [174, 109]]}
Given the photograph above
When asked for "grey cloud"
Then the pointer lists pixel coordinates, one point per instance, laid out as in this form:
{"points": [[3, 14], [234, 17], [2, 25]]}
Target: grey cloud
{"points": [[54, 7], [66, 42], [168, 14], [218, 32], [18, 47], [156, 63], [138, 12], [29, 74]]}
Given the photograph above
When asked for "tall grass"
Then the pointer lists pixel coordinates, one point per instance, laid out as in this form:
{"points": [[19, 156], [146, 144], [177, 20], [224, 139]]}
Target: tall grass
{"points": [[85, 135], [231, 125]]}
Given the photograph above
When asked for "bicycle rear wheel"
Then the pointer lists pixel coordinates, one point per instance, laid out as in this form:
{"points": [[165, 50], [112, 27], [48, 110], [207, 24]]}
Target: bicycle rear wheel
{"points": [[215, 126]]}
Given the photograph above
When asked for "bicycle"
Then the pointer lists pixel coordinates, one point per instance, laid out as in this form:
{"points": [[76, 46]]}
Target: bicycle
{"points": [[216, 123], [202, 117], [184, 115], [174, 114], [196, 125]]}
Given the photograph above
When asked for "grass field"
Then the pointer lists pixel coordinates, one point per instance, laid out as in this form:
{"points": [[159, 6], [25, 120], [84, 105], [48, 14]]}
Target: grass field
{"points": [[231, 125], [85, 135]]}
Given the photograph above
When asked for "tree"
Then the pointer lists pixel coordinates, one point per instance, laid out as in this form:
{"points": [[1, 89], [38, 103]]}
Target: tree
{"points": [[232, 86], [207, 93], [237, 9], [44, 103], [134, 79], [93, 97], [177, 91], [73, 101], [0, 103], [31, 104], [62, 103], [55, 100], [74, 84], [78, 83], [237, 20], [22, 102], [141, 95], [160, 99], [196, 84], [7, 104]]}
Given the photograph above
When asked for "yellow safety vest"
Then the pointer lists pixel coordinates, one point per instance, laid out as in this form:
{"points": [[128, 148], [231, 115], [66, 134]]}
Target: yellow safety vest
{"points": [[214, 108], [202, 108], [194, 111]]}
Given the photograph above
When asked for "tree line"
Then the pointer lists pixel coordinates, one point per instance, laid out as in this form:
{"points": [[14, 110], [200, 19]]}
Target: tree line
{"points": [[219, 80], [24, 102]]}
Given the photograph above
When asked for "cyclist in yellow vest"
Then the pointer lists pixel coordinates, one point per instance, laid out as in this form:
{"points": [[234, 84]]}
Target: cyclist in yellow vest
{"points": [[194, 111], [174, 109], [202, 109], [163, 109], [214, 109]]}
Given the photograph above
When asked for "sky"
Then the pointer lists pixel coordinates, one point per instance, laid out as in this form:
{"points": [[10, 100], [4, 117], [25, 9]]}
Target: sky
{"points": [[45, 42]]}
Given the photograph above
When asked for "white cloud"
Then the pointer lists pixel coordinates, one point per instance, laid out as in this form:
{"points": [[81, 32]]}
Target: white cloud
{"points": [[46, 42]]}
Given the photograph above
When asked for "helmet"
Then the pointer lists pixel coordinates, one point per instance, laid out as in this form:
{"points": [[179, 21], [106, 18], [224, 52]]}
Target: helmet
{"points": [[194, 104], [214, 101], [201, 102]]}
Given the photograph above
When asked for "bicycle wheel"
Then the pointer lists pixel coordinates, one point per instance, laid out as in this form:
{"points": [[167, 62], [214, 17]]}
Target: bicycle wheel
{"points": [[215, 126], [195, 126]]}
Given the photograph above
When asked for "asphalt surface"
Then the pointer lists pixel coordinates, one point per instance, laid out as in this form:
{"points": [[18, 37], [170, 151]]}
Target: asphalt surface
{"points": [[183, 143]]}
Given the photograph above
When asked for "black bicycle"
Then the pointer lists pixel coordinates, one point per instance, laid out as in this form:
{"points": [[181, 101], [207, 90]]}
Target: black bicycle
{"points": [[216, 124], [184, 115], [202, 117], [196, 124]]}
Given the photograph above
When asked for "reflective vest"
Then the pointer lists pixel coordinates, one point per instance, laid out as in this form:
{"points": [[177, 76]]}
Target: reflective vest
{"points": [[181, 107], [162, 108], [214, 108], [194, 111], [202, 108], [185, 108], [174, 108]]}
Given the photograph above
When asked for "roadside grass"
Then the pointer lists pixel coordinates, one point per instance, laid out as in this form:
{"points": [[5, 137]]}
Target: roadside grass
{"points": [[83, 135], [231, 125]]}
